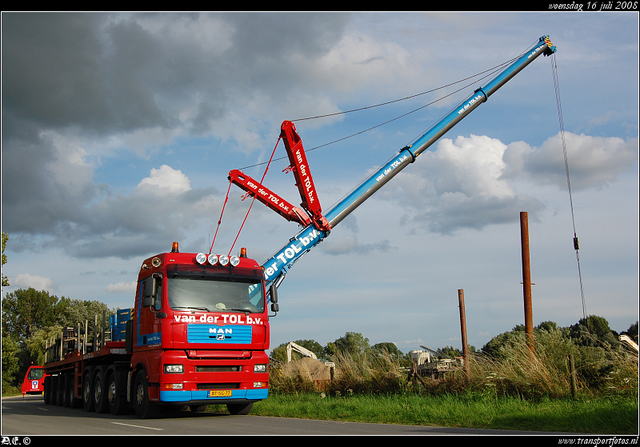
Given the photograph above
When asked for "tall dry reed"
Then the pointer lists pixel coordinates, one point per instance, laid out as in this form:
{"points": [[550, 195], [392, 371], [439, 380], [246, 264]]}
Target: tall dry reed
{"points": [[518, 371]]}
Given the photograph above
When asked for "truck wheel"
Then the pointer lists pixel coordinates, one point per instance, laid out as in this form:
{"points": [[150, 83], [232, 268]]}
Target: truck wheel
{"points": [[47, 390], [117, 401], [145, 409], [100, 402], [60, 391], [240, 408], [54, 389], [72, 402], [65, 390], [87, 393]]}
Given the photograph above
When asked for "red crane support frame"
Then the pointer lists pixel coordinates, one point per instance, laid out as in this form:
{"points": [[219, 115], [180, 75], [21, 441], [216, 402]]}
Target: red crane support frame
{"points": [[300, 168]]}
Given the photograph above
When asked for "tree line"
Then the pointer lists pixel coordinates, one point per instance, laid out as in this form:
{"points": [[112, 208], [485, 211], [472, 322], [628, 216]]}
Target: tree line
{"points": [[355, 344], [30, 317], [590, 332]]}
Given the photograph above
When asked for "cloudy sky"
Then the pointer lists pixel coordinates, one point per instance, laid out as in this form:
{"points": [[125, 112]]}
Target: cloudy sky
{"points": [[119, 130]]}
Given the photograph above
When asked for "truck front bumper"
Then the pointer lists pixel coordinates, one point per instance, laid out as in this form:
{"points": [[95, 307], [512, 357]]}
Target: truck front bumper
{"points": [[205, 396]]}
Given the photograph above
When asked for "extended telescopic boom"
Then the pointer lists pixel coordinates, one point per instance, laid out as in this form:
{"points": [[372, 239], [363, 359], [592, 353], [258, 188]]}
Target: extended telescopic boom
{"points": [[279, 264]]}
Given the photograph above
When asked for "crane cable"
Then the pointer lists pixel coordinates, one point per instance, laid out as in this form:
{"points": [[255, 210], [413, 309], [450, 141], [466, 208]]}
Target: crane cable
{"points": [[487, 73], [250, 206], [576, 243]]}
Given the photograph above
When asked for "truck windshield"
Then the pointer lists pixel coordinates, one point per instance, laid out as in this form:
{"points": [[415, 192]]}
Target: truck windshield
{"points": [[35, 374], [215, 294]]}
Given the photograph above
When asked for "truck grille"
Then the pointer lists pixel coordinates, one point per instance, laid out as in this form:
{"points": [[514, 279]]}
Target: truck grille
{"points": [[218, 386], [222, 368]]}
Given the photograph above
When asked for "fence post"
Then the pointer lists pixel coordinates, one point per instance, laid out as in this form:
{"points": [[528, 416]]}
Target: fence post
{"points": [[573, 375]]}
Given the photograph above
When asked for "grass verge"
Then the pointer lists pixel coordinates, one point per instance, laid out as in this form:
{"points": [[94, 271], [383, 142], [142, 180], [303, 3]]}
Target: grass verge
{"points": [[601, 416]]}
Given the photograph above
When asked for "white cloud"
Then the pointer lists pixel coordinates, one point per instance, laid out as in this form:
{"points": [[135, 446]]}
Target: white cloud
{"points": [[167, 180], [25, 280], [593, 161], [460, 185], [469, 182], [122, 287]]}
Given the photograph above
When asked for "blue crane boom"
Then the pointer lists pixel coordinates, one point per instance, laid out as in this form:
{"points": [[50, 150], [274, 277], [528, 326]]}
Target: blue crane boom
{"points": [[279, 264]]}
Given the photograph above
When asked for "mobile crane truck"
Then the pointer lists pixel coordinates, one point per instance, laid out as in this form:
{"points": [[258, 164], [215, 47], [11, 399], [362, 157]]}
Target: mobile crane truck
{"points": [[199, 328], [196, 335]]}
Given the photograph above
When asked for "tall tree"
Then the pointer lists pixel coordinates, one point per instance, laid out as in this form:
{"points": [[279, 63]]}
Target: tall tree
{"points": [[26, 311], [5, 238], [593, 331], [352, 343]]}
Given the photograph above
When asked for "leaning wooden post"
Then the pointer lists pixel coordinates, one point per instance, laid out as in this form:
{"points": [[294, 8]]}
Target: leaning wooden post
{"points": [[573, 375], [463, 330], [526, 278]]}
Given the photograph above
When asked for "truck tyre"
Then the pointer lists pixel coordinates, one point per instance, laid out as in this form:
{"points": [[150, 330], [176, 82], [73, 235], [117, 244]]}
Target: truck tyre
{"points": [[100, 402], [145, 409], [71, 402], [60, 391], [117, 399], [47, 390], [54, 389], [87, 392], [240, 408], [65, 391]]}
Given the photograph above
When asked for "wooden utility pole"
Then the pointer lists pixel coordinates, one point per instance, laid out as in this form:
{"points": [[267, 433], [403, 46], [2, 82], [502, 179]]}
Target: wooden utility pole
{"points": [[526, 278], [463, 329]]}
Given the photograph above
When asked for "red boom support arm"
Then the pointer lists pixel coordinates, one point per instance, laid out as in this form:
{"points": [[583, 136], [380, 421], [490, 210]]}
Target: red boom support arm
{"points": [[301, 172], [304, 182], [269, 198]]}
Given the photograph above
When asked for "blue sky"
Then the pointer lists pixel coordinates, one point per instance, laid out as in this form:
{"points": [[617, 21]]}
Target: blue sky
{"points": [[119, 131]]}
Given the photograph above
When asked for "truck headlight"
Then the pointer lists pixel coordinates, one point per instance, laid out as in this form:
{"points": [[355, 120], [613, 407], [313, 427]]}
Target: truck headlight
{"points": [[173, 369], [260, 368]]}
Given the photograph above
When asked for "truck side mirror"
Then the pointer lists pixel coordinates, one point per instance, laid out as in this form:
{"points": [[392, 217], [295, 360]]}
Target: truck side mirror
{"points": [[149, 292], [273, 292]]}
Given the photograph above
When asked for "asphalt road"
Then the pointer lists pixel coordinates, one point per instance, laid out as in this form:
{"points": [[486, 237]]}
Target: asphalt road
{"points": [[29, 416]]}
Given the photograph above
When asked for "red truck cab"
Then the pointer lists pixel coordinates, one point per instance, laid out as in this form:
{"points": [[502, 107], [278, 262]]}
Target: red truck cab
{"points": [[33, 381], [199, 332]]}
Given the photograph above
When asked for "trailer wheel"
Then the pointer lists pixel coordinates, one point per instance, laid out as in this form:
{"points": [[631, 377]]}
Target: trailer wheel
{"points": [[72, 402], [240, 408], [87, 393], [64, 379], [47, 390], [145, 409], [60, 391], [100, 402], [117, 400], [54, 389]]}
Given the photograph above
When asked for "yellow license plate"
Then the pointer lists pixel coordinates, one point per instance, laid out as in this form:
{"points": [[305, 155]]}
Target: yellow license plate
{"points": [[219, 393]]}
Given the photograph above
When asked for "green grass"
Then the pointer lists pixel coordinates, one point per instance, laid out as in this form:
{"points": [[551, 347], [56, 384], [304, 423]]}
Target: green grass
{"points": [[599, 416], [517, 390]]}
